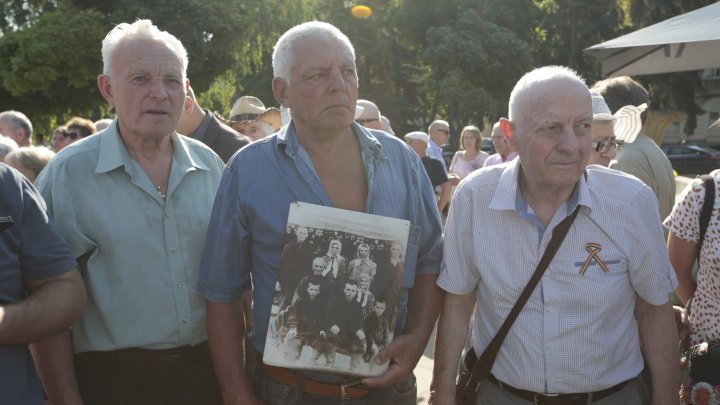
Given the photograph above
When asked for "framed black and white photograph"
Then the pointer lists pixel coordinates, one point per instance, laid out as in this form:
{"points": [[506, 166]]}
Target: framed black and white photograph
{"points": [[337, 292]]}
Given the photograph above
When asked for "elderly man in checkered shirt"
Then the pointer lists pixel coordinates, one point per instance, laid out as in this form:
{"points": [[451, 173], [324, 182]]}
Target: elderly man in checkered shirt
{"points": [[601, 312]]}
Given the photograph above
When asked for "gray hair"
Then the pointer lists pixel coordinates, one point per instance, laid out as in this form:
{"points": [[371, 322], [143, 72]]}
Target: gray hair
{"points": [[283, 54], [7, 145], [535, 76], [140, 29], [437, 123], [18, 120]]}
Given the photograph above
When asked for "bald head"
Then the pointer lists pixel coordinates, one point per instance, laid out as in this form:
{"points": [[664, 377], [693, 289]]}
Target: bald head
{"points": [[370, 116]]}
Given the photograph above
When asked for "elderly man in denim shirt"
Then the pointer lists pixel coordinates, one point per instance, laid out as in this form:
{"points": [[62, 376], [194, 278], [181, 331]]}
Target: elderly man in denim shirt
{"points": [[322, 157]]}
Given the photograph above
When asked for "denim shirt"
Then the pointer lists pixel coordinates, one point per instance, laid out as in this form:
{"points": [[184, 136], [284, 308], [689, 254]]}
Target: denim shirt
{"points": [[249, 217]]}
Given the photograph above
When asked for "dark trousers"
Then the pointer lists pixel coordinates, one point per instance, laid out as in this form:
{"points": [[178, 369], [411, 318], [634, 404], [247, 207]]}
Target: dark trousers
{"points": [[180, 376]]}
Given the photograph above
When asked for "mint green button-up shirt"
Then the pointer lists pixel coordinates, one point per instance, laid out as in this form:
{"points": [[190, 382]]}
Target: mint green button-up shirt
{"points": [[138, 252]]}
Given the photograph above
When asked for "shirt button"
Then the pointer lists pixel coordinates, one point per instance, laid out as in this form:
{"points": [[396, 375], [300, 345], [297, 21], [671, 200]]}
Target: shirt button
{"points": [[184, 320], [179, 285], [173, 250]]}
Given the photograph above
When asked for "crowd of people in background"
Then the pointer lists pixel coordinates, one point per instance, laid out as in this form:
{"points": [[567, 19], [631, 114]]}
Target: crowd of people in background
{"points": [[175, 217]]}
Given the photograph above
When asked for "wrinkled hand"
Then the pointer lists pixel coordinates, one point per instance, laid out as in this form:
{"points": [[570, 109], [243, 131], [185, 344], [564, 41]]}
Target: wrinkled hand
{"points": [[360, 334], [403, 354]]}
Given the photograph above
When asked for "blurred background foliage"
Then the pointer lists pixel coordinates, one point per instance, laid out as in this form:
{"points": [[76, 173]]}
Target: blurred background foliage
{"points": [[417, 59]]}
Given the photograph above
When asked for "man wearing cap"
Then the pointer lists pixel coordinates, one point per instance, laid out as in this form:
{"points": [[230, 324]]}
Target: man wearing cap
{"points": [[250, 117], [601, 312], [418, 142], [604, 143], [321, 157], [204, 126], [640, 156], [370, 115]]}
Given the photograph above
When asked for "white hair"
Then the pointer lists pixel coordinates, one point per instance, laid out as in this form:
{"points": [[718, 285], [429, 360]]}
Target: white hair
{"points": [[7, 145], [140, 29], [17, 120], [532, 78], [283, 53]]}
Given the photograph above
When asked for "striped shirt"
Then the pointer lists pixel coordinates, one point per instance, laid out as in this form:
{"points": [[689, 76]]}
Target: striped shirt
{"points": [[577, 332]]}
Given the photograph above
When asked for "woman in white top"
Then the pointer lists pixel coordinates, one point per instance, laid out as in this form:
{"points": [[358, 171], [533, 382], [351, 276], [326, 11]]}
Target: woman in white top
{"points": [[470, 157]]}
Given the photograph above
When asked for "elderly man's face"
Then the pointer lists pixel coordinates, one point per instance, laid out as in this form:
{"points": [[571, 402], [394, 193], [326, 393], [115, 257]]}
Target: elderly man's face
{"points": [[146, 87], [318, 267], [6, 128], [552, 133], [499, 142], [440, 134], [323, 91]]}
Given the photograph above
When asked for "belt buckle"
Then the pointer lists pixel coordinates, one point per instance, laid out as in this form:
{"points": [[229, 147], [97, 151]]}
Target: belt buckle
{"points": [[538, 397], [344, 394]]}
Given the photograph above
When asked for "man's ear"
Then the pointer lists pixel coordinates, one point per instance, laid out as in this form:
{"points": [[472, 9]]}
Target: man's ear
{"points": [[279, 88], [106, 89], [506, 128]]}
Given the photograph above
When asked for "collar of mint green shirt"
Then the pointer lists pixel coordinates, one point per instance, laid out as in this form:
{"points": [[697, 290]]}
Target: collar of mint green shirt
{"points": [[113, 154]]}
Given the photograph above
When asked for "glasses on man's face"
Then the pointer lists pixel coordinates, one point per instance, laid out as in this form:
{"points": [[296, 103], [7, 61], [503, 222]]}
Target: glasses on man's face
{"points": [[445, 131], [71, 135], [366, 120], [605, 146]]}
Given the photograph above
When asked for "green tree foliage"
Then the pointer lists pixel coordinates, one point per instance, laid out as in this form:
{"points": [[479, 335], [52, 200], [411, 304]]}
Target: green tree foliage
{"points": [[417, 59]]}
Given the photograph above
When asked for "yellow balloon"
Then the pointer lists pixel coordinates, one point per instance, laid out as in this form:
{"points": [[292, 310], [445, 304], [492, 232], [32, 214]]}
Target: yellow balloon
{"points": [[361, 12]]}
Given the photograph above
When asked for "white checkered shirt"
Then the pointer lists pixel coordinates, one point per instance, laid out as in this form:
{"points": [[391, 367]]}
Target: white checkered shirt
{"points": [[577, 333]]}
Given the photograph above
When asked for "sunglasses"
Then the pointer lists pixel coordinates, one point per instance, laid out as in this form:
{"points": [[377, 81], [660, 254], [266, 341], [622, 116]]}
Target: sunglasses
{"points": [[605, 146], [71, 135], [365, 120]]}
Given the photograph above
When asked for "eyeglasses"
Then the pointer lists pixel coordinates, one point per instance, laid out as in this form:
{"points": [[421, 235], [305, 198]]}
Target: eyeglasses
{"points": [[71, 135], [446, 131], [365, 120], [605, 146]]}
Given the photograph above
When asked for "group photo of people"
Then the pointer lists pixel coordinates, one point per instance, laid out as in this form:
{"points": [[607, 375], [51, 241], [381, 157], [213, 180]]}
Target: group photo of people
{"points": [[307, 254], [336, 296]]}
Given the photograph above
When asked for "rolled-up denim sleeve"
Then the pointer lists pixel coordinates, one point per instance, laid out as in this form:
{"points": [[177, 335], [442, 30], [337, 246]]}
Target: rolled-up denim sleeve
{"points": [[225, 264]]}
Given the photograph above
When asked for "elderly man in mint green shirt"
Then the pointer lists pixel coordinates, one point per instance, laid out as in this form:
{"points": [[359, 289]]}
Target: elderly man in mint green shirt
{"points": [[138, 251], [133, 203]]}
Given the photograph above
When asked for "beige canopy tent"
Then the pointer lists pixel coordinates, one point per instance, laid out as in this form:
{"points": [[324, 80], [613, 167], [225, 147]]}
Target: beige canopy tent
{"points": [[690, 41]]}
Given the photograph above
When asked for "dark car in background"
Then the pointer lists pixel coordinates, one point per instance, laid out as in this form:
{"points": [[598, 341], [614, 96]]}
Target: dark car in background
{"points": [[692, 159]]}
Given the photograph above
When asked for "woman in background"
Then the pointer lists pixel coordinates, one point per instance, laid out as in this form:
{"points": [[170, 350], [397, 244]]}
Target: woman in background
{"points": [[470, 157]]}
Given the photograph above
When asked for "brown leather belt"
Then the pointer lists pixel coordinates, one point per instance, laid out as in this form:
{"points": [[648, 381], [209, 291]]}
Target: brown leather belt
{"points": [[293, 380], [564, 399]]}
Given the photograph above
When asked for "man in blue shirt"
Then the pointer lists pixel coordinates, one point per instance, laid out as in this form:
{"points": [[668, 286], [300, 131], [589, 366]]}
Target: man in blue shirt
{"points": [[321, 157], [41, 292]]}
